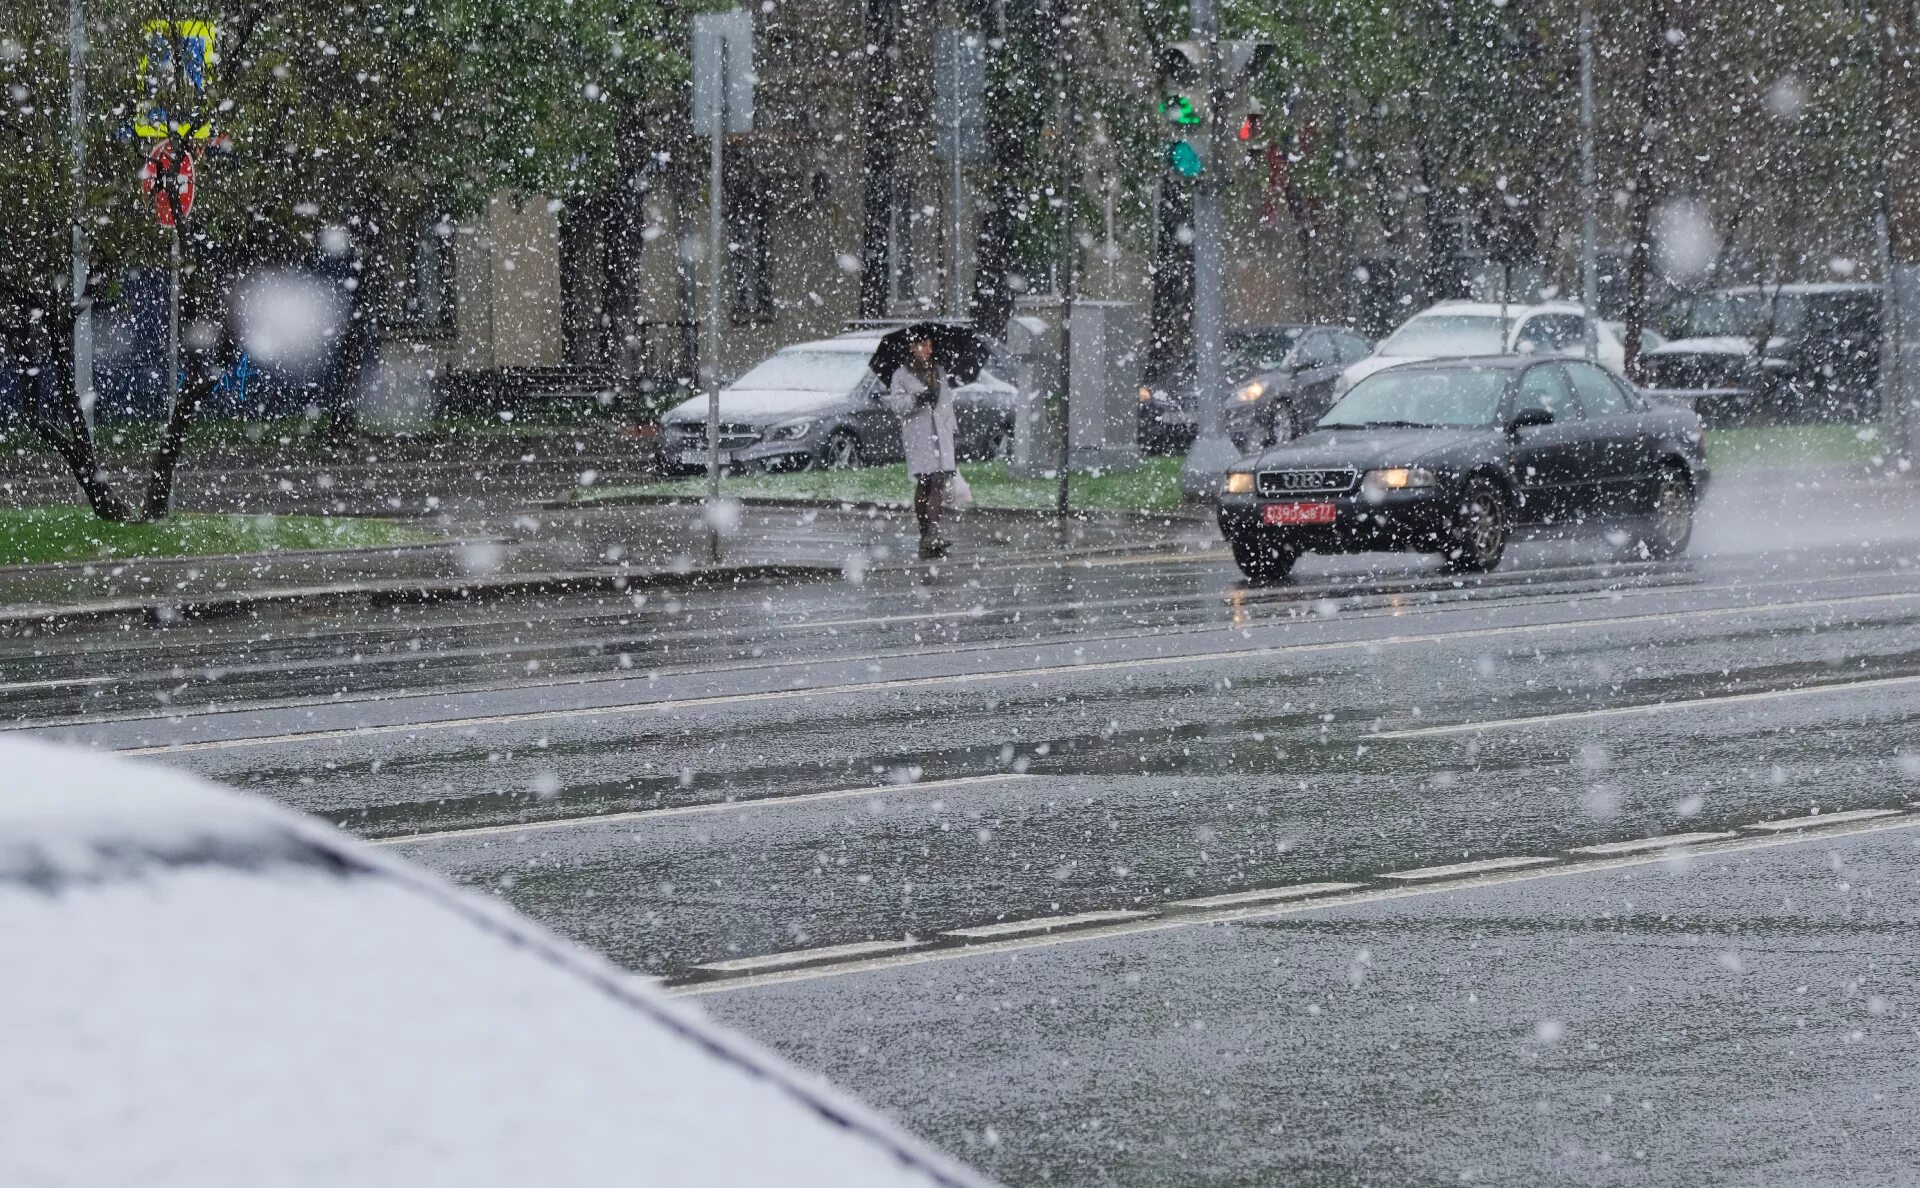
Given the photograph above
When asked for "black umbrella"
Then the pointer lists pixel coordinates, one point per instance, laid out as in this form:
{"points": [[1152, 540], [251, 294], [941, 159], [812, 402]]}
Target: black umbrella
{"points": [[959, 351]]}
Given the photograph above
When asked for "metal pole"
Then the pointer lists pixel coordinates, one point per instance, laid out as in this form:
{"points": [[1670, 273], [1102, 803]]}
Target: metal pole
{"points": [[1069, 168], [716, 216], [173, 314], [1589, 235], [1212, 451], [77, 136], [956, 309]]}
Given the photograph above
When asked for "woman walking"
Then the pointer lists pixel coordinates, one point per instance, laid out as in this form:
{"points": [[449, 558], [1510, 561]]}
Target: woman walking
{"points": [[921, 397]]}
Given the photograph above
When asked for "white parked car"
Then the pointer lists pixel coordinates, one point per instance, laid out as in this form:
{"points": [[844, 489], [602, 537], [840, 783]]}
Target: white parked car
{"points": [[815, 405], [205, 990], [1456, 329]]}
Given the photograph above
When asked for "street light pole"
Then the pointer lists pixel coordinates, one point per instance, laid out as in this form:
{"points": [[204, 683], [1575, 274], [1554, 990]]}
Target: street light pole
{"points": [[77, 135], [1212, 452], [716, 224], [1589, 245]]}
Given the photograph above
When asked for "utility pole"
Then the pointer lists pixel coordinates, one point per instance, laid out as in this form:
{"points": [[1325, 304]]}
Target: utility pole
{"points": [[83, 391], [1589, 213], [1212, 451], [1899, 178], [1069, 247], [957, 307]]}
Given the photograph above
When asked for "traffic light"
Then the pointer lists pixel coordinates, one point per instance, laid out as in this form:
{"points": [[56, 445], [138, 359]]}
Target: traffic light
{"points": [[1186, 105]]}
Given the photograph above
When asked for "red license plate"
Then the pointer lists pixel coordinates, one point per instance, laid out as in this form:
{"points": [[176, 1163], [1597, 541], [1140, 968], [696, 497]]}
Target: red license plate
{"points": [[1299, 513]]}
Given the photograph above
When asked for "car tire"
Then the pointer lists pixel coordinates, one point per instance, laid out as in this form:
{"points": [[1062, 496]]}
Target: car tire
{"points": [[1484, 527], [841, 451], [1670, 528], [1264, 558]]}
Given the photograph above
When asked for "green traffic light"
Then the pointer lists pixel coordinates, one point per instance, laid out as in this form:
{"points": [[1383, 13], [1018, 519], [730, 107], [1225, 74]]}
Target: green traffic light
{"points": [[1185, 159], [1179, 109]]}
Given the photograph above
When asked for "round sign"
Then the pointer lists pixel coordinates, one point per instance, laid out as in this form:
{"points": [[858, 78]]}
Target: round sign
{"points": [[168, 176]]}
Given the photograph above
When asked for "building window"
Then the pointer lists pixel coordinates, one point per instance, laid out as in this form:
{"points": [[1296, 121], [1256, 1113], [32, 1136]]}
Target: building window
{"points": [[424, 301], [749, 241]]}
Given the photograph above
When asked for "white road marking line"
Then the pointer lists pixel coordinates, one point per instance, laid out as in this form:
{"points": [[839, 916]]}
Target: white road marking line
{"points": [[1295, 907], [1265, 895], [1043, 924], [1462, 869], [688, 810], [973, 678], [1641, 845], [1653, 708], [804, 957], [1815, 820]]}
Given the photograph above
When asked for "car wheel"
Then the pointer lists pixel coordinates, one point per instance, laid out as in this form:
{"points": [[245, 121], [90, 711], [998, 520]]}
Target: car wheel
{"points": [[1484, 526], [1263, 558], [842, 451], [1671, 526]]}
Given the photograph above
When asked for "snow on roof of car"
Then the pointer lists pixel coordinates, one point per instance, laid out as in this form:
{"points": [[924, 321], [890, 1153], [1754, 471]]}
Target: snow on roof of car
{"points": [[208, 990], [1712, 344]]}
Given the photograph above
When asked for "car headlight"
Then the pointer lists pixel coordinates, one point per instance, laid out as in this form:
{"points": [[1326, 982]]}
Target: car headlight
{"points": [[1249, 393], [1239, 482], [790, 431], [1396, 478], [1146, 395]]}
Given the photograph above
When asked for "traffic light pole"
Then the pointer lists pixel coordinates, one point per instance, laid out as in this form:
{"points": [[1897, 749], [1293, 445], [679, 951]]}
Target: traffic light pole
{"points": [[1212, 452], [716, 273]]}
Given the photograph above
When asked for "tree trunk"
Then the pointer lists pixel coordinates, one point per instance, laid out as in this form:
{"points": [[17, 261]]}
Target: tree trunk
{"points": [[992, 302], [1172, 335], [879, 120], [1655, 62]]}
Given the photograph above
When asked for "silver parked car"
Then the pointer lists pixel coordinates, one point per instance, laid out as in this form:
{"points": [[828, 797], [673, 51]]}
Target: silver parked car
{"points": [[815, 405]]}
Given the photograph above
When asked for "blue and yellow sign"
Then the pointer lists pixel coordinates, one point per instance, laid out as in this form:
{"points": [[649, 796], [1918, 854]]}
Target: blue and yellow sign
{"points": [[172, 92]]}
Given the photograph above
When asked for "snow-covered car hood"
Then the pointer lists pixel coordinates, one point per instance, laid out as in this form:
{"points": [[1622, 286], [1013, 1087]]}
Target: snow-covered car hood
{"points": [[1719, 344], [206, 990], [759, 406]]}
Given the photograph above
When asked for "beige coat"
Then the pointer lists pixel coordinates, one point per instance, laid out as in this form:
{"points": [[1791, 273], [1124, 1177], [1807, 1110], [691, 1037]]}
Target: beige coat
{"points": [[926, 431]]}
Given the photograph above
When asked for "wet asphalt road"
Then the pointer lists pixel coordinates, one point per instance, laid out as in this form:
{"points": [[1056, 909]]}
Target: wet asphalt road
{"points": [[724, 776]]}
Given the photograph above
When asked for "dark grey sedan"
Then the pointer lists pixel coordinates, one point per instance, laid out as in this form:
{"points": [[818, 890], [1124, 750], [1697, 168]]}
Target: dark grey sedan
{"points": [[1454, 457], [1283, 398]]}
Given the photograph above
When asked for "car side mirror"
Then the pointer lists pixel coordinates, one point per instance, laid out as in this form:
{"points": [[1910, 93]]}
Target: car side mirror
{"points": [[1529, 418]]}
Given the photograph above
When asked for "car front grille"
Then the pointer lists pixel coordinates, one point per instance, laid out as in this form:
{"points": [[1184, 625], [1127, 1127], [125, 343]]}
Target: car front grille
{"points": [[1308, 482], [692, 435]]}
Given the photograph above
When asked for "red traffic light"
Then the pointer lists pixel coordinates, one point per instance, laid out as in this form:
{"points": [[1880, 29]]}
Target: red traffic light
{"points": [[1249, 128]]}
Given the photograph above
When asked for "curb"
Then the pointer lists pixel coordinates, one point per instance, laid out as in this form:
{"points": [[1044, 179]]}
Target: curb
{"points": [[443, 542], [15, 620], [1183, 513]]}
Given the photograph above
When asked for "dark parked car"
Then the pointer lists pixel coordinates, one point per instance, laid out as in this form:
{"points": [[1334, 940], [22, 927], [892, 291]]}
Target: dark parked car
{"points": [[1167, 400], [816, 405], [1275, 404], [1822, 357], [1454, 456]]}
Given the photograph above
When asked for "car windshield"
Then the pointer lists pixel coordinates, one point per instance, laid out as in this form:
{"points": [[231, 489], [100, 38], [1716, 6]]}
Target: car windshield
{"points": [[806, 371], [1447, 335], [1420, 398]]}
